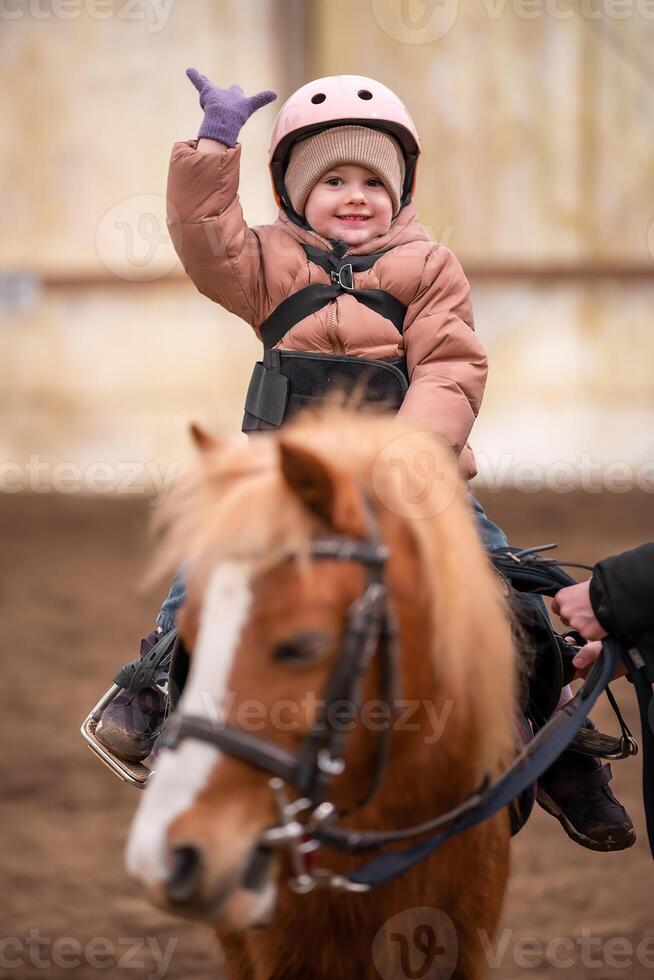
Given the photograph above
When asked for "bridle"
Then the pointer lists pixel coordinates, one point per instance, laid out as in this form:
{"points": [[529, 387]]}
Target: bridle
{"points": [[370, 636], [369, 632]]}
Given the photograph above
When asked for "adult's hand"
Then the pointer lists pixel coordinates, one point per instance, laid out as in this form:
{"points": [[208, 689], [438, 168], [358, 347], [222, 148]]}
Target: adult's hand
{"points": [[586, 657], [572, 604]]}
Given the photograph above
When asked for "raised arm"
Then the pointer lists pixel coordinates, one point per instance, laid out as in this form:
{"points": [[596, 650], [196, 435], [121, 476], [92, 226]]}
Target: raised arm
{"points": [[217, 249]]}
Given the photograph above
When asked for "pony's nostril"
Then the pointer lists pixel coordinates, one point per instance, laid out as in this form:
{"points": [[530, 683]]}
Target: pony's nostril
{"points": [[185, 873]]}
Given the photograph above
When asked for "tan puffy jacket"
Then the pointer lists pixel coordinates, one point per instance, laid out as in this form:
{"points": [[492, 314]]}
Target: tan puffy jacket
{"points": [[250, 271]]}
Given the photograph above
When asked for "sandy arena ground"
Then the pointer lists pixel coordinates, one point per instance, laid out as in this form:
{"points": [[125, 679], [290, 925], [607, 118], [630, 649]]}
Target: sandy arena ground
{"points": [[71, 614]]}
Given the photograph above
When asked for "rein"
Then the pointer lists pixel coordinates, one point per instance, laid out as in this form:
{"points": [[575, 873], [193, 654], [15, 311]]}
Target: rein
{"points": [[370, 635]]}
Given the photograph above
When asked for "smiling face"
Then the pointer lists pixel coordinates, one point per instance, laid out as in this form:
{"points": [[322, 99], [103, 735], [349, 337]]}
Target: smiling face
{"points": [[349, 203]]}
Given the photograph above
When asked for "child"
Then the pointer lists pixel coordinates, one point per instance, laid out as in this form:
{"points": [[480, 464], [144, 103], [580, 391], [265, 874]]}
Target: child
{"points": [[343, 162]]}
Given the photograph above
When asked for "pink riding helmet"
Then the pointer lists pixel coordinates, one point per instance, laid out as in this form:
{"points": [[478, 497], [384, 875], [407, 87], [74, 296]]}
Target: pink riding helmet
{"points": [[341, 100]]}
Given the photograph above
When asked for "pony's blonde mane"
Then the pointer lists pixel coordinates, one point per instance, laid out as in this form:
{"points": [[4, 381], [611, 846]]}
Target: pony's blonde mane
{"points": [[236, 505]]}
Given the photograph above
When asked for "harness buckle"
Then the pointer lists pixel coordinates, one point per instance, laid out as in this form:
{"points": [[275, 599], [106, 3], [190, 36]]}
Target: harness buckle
{"points": [[346, 271]]}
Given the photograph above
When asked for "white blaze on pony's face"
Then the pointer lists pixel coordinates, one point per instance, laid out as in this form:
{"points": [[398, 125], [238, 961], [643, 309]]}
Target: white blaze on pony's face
{"points": [[266, 640], [184, 773]]}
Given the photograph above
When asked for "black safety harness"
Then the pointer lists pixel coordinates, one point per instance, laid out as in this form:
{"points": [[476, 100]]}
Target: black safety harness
{"points": [[312, 298], [286, 381]]}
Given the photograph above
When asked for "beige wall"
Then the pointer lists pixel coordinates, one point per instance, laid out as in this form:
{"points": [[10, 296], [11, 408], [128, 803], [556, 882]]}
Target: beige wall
{"points": [[112, 360], [537, 157], [537, 171], [537, 144]]}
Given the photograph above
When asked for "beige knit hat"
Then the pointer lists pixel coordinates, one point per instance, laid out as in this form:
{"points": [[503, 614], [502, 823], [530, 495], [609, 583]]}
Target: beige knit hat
{"points": [[312, 157]]}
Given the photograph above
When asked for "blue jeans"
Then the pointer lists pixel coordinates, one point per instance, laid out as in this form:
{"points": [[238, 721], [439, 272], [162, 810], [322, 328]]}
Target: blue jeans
{"points": [[492, 537], [173, 602]]}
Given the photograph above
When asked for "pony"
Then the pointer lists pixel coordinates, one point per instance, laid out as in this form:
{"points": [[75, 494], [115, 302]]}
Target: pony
{"points": [[263, 625]]}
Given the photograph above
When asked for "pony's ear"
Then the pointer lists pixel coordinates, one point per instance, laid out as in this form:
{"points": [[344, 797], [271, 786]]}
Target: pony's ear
{"points": [[326, 491], [203, 440]]}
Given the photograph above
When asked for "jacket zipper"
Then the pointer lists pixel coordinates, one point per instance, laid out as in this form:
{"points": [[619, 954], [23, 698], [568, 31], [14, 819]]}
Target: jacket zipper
{"points": [[331, 328], [332, 331]]}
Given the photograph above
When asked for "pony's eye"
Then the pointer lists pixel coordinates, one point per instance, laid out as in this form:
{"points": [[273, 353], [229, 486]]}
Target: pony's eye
{"points": [[303, 648]]}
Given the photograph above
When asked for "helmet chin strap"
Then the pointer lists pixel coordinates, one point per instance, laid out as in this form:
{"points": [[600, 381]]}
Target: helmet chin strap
{"points": [[295, 217], [339, 247]]}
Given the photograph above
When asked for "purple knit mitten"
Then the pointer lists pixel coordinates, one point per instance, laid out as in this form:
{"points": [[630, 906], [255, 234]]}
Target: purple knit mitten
{"points": [[226, 110]]}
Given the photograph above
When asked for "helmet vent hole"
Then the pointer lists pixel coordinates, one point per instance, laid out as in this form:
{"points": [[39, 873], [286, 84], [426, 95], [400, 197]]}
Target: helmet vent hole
{"points": [[318, 98], [364, 94]]}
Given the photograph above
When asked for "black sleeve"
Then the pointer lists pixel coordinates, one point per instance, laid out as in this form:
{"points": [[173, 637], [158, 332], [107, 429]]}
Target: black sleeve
{"points": [[622, 593]]}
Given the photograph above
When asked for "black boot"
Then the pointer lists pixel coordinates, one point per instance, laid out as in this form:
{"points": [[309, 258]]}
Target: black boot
{"points": [[575, 790]]}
